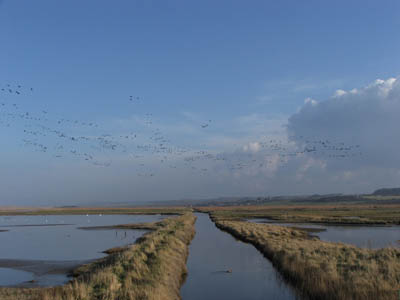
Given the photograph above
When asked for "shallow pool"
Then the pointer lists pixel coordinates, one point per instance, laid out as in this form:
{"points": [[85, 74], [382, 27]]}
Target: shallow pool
{"points": [[48, 247]]}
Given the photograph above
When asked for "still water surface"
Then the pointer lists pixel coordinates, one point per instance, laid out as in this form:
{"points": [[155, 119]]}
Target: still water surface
{"points": [[361, 236], [10, 276], [213, 252], [44, 248]]}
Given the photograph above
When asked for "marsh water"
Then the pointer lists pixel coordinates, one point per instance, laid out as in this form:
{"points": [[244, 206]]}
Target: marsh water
{"points": [[213, 252], [374, 237], [41, 250]]}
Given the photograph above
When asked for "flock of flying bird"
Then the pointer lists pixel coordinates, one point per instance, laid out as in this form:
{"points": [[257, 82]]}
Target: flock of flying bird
{"points": [[85, 140]]}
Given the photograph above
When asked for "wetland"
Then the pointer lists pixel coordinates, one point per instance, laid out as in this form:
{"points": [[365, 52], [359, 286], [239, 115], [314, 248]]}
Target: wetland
{"points": [[44, 249]]}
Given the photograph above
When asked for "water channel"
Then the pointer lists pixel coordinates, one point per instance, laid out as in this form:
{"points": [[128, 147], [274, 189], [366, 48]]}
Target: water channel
{"points": [[214, 253]]}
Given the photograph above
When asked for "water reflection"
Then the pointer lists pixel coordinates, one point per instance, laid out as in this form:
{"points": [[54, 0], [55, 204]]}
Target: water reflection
{"points": [[214, 253]]}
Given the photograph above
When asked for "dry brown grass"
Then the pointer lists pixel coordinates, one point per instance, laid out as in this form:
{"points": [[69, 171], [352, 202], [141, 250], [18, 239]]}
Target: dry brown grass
{"points": [[153, 268], [323, 270]]}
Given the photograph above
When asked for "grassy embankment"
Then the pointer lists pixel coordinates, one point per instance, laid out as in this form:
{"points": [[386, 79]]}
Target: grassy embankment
{"points": [[320, 270], [153, 268], [325, 214]]}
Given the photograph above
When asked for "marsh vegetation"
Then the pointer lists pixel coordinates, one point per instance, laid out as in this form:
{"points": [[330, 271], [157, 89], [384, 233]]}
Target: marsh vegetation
{"points": [[297, 265], [153, 268], [319, 269], [57, 245]]}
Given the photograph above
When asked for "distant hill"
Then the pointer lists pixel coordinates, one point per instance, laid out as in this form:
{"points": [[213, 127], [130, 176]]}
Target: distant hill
{"points": [[387, 192]]}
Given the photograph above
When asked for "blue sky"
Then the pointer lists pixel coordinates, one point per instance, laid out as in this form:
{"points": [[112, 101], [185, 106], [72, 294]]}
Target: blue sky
{"points": [[247, 66]]}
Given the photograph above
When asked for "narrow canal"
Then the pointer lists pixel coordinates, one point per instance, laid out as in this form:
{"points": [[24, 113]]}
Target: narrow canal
{"points": [[220, 267]]}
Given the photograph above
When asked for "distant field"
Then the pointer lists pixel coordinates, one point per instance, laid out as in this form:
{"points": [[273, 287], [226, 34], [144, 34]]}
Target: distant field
{"points": [[90, 210], [385, 214]]}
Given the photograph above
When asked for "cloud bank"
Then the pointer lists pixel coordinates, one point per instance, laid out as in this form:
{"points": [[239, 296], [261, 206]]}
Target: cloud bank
{"points": [[368, 117]]}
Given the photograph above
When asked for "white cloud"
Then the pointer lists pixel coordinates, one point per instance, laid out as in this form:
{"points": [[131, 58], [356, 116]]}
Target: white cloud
{"points": [[310, 101], [339, 93], [368, 117], [252, 147]]}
